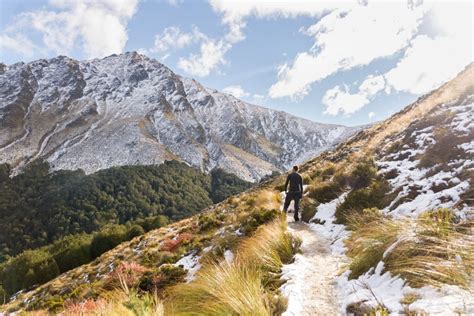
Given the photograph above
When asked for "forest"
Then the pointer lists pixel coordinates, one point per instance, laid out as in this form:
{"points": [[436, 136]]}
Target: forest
{"points": [[50, 218], [38, 207]]}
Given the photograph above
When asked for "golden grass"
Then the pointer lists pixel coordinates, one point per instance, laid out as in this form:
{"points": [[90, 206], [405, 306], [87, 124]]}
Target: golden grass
{"points": [[371, 235], [240, 287], [432, 249], [267, 199]]}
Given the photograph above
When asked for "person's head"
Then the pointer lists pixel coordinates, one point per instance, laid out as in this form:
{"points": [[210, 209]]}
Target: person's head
{"points": [[295, 168]]}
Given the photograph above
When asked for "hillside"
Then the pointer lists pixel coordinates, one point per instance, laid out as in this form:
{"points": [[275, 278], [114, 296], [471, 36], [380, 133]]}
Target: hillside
{"points": [[129, 109], [390, 210]]}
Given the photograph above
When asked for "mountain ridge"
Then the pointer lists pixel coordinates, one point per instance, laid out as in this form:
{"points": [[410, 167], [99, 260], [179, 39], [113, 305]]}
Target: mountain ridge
{"points": [[131, 109]]}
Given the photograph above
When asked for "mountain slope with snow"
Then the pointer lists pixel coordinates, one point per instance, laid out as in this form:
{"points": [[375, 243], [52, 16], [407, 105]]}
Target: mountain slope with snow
{"points": [[129, 109], [399, 215]]}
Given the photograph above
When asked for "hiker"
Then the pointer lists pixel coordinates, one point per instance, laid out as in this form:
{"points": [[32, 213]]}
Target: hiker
{"points": [[294, 192]]}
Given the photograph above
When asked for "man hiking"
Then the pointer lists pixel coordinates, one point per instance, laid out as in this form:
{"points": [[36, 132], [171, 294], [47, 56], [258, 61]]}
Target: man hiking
{"points": [[295, 191]]}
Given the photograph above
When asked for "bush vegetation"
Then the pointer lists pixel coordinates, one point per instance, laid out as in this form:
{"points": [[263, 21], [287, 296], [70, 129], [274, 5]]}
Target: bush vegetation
{"points": [[246, 286], [112, 191], [38, 207], [434, 249]]}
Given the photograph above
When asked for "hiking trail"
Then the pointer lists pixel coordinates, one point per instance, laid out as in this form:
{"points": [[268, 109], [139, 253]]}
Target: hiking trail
{"points": [[311, 279]]}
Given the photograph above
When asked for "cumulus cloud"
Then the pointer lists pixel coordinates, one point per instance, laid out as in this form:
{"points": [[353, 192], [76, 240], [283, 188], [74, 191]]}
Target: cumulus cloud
{"points": [[98, 27], [340, 100], [371, 115], [236, 91], [173, 38], [17, 43], [210, 56], [234, 15], [432, 60], [347, 38], [427, 62]]}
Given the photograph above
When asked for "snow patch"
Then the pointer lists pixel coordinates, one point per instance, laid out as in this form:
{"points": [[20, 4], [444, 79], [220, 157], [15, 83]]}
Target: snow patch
{"points": [[229, 256], [191, 264], [336, 233]]}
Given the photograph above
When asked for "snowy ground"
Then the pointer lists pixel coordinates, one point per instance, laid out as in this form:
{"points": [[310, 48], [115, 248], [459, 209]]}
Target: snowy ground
{"points": [[310, 286], [311, 279], [315, 285]]}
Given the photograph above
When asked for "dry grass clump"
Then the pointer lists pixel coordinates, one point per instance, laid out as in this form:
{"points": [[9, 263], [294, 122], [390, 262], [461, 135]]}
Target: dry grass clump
{"points": [[445, 148], [308, 208], [441, 252], [371, 235], [267, 199], [243, 286], [120, 302], [172, 244], [128, 272], [433, 249]]}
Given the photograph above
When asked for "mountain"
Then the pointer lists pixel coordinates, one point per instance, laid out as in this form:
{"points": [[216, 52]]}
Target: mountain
{"points": [[129, 109], [391, 218]]}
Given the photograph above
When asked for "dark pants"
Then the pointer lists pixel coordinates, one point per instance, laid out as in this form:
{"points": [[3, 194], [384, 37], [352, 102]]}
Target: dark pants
{"points": [[292, 196]]}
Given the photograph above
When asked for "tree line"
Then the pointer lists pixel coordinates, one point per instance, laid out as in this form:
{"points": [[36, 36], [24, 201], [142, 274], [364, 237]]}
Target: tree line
{"points": [[54, 221]]}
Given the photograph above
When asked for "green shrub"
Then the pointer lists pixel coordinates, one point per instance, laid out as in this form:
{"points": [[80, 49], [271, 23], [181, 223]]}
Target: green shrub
{"points": [[3, 296], [153, 222], [325, 192], [109, 237], [72, 251], [373, 196], [256, 218], [362, 175], [165, 275], [444, 149], [134, 231], [30, 268], [208, 221]]}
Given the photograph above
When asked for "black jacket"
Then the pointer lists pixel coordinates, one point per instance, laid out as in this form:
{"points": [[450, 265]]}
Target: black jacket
{"points": [[296, 182]]}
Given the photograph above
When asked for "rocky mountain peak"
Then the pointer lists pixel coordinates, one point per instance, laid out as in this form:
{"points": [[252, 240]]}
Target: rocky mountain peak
{"points": [[130, 109]]}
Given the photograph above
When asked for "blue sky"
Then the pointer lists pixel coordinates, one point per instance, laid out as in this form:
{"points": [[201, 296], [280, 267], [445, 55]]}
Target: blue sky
{"points": [[344, 62]]}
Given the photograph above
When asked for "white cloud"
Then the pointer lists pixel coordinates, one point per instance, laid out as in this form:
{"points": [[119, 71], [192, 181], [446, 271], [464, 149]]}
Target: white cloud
{"points": [[234, 15], [371, 115], [17, 43], [340, 100], [427, 64], [347, 38], [236, 91], [174, 2], [431, 61], [173, 38], [210, 56], [98, 27]]}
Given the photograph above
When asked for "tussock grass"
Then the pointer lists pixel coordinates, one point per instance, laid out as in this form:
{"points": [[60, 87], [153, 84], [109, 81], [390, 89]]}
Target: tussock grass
{"points": [[371, 235], [308, 208], [433, 249], [267, 199], [243, 286]]}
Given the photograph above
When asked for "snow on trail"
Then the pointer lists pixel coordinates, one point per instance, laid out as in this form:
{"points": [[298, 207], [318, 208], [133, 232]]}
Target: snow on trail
{"points": [[311, 279], [310, 285]]}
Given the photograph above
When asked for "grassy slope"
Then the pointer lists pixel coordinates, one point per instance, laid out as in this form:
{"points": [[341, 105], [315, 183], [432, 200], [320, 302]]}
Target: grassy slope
{"points": [[346, 168]]}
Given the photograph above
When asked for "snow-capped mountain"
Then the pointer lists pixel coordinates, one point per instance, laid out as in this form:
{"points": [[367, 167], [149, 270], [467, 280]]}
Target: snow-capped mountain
{"points": [[130, 109]]}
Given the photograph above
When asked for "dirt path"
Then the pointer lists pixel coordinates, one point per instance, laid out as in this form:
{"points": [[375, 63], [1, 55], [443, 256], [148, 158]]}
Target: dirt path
{"points": [[311, 277]]}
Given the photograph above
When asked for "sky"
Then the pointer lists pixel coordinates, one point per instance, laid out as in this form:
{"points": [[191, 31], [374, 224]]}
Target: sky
{"points": [[346, 62]]}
